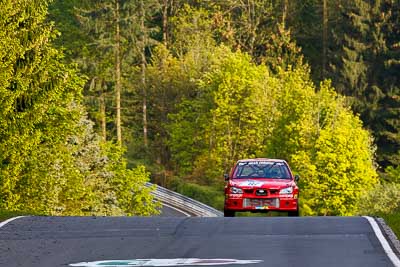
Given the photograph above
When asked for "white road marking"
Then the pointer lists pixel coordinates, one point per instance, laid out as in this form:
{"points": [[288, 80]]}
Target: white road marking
{"points": [[181, 211], [164, 262], [10, 220], [386, 247]]}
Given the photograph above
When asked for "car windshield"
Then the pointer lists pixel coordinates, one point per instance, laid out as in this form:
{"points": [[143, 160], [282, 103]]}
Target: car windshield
{"points": [[261, 169]]}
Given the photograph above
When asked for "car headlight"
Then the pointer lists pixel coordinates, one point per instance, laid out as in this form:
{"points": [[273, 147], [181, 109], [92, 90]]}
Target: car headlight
{"points": [[287, 190], [235, 190]]}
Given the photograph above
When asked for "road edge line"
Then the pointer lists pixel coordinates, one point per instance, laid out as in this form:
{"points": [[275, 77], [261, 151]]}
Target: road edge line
{"points": [[386, 247], [10, 220], [180, 211]]}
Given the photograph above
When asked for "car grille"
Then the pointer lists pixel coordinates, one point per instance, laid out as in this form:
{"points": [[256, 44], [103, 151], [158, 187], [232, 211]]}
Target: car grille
{"points": [[261, 192], [260, 202]]}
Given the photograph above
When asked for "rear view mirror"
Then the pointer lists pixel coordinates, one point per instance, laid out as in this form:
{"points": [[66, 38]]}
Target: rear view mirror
{"points": [[296, 177], [226, 176]]}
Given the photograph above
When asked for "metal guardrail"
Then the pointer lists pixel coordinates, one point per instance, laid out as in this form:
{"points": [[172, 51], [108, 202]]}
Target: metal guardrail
{"points": [[184, 203]]}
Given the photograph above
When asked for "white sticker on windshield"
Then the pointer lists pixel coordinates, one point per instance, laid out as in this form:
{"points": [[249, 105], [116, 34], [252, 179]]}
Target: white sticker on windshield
{"points": [[261, 163]]}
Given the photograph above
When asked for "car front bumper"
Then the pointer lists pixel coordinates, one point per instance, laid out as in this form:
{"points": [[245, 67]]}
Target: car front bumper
{"points": [[237, 202]]}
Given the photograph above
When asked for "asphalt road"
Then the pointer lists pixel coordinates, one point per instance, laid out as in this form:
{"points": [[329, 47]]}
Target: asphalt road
{"points": [[170, 211], [276, 241]]}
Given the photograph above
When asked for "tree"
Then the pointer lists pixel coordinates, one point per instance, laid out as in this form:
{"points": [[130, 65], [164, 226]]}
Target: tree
{"points": [[144, 37], [339, 164], [50, 160], [217, 125], [206, 98], [192, 28], [282, 53], [237, 126], [382, 200], [365, 73], [324, 37], [98, 18], [36, 92], [241, 110], [387, 124]]}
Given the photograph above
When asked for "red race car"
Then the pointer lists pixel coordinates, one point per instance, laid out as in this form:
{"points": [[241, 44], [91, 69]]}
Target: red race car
{"points": [[261, 185]]}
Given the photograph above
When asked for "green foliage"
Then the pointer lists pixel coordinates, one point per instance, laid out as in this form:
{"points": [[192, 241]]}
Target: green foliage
{"points": [[245, 112], [132, 196], [392, 174], [338, 164], [291, 114], [393, 220], [246, 26], [208, 195], [369, 59], [51, 161], [72, 39], [36, 93], [171, 82], [384, 198], [185, 138], [219, 124], [208, 106], [281, 51], [191, 27], [239, 97]]}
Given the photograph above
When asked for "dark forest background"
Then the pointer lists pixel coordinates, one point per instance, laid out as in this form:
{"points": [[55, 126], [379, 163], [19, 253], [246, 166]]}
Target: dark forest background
{"points": [[122, 91]]}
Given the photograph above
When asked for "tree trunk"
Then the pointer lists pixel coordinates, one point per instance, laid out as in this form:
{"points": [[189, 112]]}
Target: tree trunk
{"points": [[103, 115], [118, 73], [252, 25], [285, 13], [143, 67], [165, 22], [324, 37]]}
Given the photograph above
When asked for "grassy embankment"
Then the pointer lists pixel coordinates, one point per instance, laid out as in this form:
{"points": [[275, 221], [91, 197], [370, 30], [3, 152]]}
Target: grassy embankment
{"points": [[4, 215], [393, 220]]}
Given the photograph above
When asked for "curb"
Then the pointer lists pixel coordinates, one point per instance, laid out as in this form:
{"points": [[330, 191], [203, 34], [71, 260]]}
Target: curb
{"points": [[385, 243], [390, 236]]}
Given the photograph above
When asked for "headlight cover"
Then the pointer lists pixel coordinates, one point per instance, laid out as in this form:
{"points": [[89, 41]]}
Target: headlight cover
{"points": [[286, 191], [235, 190]]}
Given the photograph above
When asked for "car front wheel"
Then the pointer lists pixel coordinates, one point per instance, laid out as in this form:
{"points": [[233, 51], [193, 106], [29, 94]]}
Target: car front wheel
{"points": [[229, 213], [293, 213]]}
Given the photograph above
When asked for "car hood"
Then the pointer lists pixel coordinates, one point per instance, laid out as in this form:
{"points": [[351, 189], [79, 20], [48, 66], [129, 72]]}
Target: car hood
{"points": [[261, 183]]}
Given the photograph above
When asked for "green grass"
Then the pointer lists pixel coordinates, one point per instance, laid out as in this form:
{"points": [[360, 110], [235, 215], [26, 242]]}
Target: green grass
{"points": [[393, 220]]}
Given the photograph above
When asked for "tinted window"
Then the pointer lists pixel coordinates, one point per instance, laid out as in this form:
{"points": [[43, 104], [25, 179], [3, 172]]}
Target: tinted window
{"points": [[261, 169]]}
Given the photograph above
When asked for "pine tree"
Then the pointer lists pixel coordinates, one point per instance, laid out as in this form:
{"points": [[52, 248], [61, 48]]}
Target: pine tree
{"points": [[101, 22], [123, 30], [387, 123], [38, 94], [366, 71]]}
